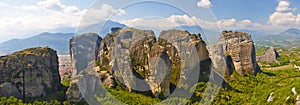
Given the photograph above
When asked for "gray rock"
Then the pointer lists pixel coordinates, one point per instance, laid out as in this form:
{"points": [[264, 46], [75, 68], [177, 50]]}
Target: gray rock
{"points": [[270, 56], [40, 66], [7, 89], [239, 50]]}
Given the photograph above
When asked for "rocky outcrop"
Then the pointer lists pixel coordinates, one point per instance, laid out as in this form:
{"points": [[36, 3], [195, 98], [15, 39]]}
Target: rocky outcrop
{"points": [[73, 94], [136, 60], [83, 50], [239, 50], [270, 56], [136, 57], [34, 72], [7, 89]]}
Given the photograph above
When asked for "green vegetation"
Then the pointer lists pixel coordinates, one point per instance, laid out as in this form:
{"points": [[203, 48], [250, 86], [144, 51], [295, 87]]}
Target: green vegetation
{"points": [[255, 90], [287, 56], [128, 98], [66, 82], [15, 101]]}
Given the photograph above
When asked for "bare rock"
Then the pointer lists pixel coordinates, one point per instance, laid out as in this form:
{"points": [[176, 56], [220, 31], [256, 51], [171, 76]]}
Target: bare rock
{"points": [[34, 72], [84, 50], [238, 47], [8, 89], [73, 94], [270, 56]]}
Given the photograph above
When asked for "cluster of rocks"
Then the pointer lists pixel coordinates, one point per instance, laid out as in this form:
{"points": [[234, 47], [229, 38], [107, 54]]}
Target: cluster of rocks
{"points": [[137, 59], [29, 73]]}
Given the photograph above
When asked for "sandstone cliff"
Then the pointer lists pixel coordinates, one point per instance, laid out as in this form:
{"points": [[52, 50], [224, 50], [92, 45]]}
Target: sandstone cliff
{"points": [[33, 72], [239, 50]]}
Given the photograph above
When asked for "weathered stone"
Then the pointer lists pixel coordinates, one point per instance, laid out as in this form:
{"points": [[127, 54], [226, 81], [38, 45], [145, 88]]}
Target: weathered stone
{"points": [[73, 94], [84, 50], [33, 70], [135, 57], [270, 56], [7, 89], [239, 50]]}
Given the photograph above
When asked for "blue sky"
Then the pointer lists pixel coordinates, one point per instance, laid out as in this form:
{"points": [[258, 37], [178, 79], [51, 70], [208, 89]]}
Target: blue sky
{"points": [[25, 18]]}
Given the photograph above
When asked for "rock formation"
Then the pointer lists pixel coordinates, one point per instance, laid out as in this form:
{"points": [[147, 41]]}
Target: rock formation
{"points": [[239, 50], [135, 60], [83, 50], [7, 89], [33, 72], [270, 56], [151, 63]]}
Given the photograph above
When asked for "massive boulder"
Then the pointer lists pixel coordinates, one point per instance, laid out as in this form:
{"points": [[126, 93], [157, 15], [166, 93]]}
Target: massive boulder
{"points": [[141, 62], [270, 56], [34, 72], [83, 50], [239, 50]]}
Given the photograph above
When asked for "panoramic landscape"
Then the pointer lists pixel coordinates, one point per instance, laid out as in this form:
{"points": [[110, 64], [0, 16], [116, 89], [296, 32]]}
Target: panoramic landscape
{"points": [[111, 52]]}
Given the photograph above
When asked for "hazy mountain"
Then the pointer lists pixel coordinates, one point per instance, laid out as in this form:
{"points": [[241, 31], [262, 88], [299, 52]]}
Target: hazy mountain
{"points": [[288, 38], [292, 32], [101, 28], [57, 41]]}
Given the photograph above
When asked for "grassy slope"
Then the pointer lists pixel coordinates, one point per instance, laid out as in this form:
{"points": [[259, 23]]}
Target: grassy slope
{"points": [[255, 90]]}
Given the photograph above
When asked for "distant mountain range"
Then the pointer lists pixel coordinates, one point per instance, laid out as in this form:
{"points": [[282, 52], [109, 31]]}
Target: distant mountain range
{"points": [[289, 38], [57, 41], [60, 41]]}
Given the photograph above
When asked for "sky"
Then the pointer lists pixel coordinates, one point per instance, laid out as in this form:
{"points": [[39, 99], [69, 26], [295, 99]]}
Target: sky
{"points": [[26, 18]]}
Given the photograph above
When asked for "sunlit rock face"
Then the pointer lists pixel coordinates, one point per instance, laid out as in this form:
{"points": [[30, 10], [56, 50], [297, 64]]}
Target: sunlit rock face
{"points": [[142, 62], [239, 50]]}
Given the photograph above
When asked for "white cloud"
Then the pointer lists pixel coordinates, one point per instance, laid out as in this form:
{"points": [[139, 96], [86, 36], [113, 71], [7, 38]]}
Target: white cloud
{"points": [[185, 20], [279, 18], [106, 11], [54, 5], [283, 16], [204, 4], [27, 7], [150, 23], [284, 6], [3, 4], [44, 16]]}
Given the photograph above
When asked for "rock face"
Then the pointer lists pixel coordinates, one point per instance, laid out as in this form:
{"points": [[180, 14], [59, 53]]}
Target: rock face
{"points": [[270, 56], [137, 61], [83, 50], [136, 57], [239, 51], [73, 94], [8, 89], [34, 72]]}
